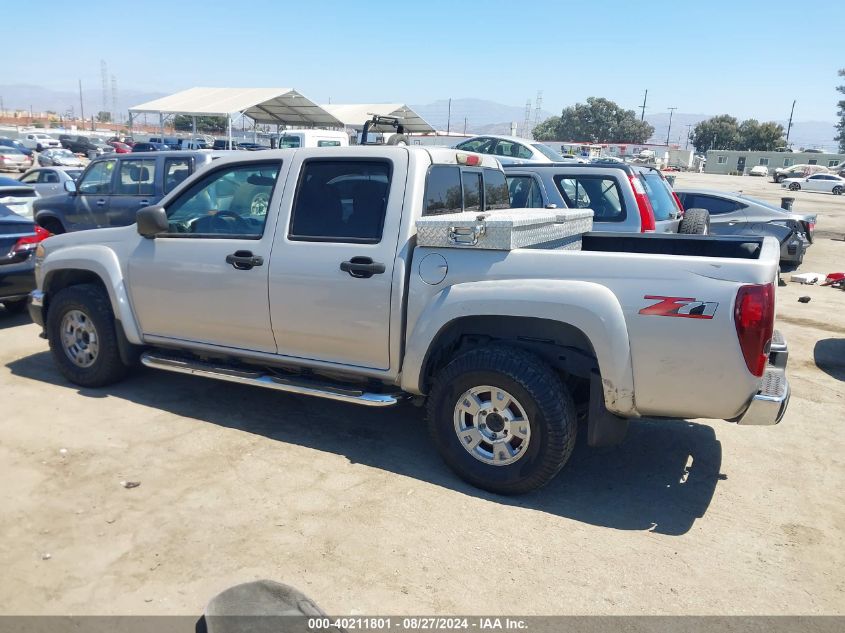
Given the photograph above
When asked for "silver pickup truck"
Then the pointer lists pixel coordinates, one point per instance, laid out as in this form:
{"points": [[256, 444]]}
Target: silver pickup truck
{"points": [[325, 292]]}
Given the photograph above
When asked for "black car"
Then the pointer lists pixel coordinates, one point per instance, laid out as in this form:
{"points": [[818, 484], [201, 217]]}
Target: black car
{"points": [[84, 145], [18, 239], [10, 142], [224, 143], [149, 147]]}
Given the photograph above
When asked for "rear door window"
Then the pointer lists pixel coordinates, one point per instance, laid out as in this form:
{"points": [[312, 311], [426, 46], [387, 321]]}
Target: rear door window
{"points": [[599, 193], [716, 206], [137, 177], [524, 192], [341, 201]]}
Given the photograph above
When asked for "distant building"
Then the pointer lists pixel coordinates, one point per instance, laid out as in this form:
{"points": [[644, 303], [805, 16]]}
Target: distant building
{"points": [[722, 161]]}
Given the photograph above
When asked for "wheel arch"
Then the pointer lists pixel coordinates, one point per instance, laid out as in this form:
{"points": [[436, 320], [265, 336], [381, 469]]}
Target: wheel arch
{"points": [[573, 337]]}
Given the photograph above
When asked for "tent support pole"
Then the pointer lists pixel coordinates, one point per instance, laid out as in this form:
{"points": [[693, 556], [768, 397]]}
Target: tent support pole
{"points": [[193, 127], [229, 125]]}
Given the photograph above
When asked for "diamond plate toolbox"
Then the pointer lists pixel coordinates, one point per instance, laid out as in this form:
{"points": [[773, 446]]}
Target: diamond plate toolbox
{"points": [[506, 229]]}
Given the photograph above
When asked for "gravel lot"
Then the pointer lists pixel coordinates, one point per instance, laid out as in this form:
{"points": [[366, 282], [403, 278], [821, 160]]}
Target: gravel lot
{"points": [[354, 507]]}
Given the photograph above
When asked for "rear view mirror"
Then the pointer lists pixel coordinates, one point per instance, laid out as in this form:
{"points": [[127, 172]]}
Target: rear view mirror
{"points": [[152, 221], [70, 186]]}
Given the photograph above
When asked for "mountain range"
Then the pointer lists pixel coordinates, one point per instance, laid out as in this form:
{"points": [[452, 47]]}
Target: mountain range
{"points": [[476, 116]]}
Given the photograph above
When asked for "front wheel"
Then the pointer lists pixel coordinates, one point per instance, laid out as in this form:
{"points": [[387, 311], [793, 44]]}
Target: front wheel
{"points": [[502, 419], [695, 222], [837, 191], [794, 186], [83, 338]]}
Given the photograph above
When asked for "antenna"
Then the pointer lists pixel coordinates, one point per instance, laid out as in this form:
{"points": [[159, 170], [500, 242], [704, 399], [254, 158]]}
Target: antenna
{"points": [[527, 121]]}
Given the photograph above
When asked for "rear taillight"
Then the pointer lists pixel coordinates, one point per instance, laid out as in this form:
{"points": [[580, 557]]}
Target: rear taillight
{"points": [[754, 316], [30, 242], [643, 204]]}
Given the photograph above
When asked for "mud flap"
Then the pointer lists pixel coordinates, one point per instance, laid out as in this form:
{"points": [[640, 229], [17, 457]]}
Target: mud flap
{"points": [[603, 427]]}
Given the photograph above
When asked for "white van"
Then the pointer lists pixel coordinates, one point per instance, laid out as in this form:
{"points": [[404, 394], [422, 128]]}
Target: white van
{"points": [[312, 138]]}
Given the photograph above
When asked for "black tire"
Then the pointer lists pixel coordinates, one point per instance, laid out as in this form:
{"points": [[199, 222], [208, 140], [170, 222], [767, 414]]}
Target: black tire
{"points": [[794, 186], [837, 191], [93, 302], [38, 148], [398, 139], [695, 222], [53, 225], [14, 307], [537, 388]]}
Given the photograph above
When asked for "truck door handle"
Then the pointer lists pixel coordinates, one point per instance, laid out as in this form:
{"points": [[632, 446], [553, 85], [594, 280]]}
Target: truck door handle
{"points": [[143, 203], [362, 267], [101, 203], [244, 260]]}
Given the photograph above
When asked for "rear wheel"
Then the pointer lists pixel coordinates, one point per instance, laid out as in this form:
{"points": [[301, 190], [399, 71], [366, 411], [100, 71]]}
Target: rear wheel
{"points": [[794, 186], [837, 190], [502, 419], [83, 338], [695, 222]]}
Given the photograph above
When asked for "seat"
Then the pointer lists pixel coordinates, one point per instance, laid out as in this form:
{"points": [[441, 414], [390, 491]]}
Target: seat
{"points": [[520, 195], [319, 212]]}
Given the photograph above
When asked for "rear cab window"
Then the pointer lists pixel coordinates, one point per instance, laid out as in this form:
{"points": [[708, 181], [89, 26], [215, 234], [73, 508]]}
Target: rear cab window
{"points": [[453, 189]]}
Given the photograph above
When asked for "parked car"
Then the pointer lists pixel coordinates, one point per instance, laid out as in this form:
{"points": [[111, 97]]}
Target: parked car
{"points": [[19, 237], [504, 348], [89, 147], [171, 142], [120, 148], [827, 183], [511, 149], [11, 142], [738, 214], [624, 197], [252, 147], [112, 189], [11, 158], [40, 141], [759, 170], [224, 144], [126, 140], [50, 181], [797, 171], [59, 158], [149, 147], [17, 196]]}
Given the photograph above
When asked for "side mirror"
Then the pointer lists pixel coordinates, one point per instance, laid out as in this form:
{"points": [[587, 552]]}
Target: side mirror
{"points": [[70, 186], [152, 221]]}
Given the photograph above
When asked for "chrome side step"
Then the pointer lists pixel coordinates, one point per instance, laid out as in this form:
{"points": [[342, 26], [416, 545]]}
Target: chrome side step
{"points": [[257, 378]]}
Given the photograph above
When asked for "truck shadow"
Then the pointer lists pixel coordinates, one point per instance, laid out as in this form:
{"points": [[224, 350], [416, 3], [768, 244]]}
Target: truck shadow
{"points": [[829, 356], [661, 478]]}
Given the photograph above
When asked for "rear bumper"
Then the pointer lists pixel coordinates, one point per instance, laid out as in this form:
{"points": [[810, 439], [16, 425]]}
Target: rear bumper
{"points": [[769, 405]]}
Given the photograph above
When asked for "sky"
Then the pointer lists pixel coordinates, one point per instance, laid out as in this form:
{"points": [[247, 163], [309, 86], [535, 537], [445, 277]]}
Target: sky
{"points": [[748, 59]]}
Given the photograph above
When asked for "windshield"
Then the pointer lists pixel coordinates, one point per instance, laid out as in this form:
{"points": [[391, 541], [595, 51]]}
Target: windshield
{"points": [[548, 152], [659, 195]]}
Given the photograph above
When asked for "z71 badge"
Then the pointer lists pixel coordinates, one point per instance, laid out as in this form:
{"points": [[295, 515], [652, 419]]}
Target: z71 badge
{"points": [[685, 307]]}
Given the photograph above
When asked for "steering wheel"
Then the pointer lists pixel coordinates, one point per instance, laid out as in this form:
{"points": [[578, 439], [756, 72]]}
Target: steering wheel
{"points": [[240, 224]]}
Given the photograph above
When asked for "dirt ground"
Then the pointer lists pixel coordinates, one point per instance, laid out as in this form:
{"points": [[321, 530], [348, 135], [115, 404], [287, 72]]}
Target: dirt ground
{"points": [[353, 506]]}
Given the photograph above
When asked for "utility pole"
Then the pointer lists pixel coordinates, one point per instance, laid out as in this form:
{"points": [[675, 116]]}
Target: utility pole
{"points": [[642, 107], [449, 117], [669, 131], [689, 128], [789, 125], [465, 125], [81, 107]]}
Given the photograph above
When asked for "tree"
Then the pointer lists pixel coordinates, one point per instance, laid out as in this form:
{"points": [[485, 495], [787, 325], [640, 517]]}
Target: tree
{"points": [[841, 114], [760, 137], [718, 132], [103, 117], [598, 121], [205, 124]]}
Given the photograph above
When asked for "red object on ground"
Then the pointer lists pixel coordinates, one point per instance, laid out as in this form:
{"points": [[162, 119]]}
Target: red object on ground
{"points": [[832, 278]]}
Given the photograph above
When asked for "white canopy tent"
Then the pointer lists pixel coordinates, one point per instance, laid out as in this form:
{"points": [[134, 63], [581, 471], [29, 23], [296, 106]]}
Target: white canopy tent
{"points": [[354, 115], [282, 106]]}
